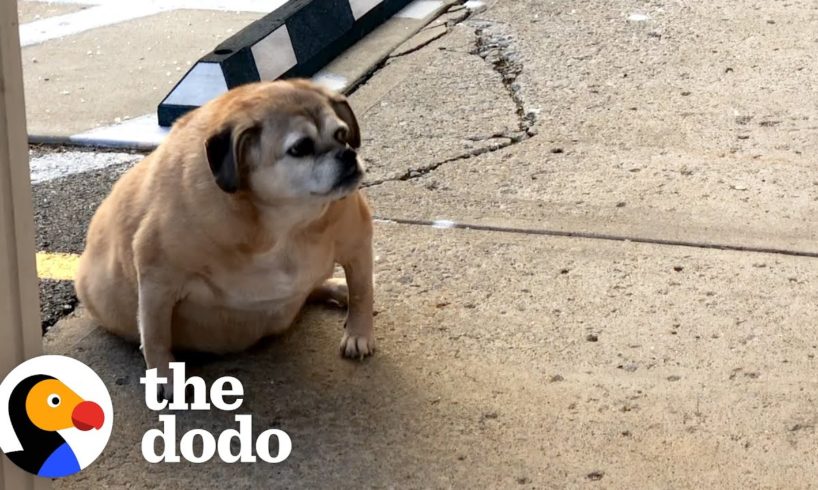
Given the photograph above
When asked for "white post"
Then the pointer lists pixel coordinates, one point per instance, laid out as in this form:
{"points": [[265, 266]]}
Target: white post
{"points": [[20, 335]]}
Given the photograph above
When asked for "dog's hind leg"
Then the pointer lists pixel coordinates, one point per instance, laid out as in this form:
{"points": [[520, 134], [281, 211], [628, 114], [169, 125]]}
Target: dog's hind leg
{"points": [[333, 289]]}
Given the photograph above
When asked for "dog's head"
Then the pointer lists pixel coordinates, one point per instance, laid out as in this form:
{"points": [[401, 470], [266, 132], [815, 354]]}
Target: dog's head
{"points": [[284, 141]]}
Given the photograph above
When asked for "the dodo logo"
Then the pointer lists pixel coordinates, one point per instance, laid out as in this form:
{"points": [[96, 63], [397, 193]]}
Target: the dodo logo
{"points": [[55, 416]]}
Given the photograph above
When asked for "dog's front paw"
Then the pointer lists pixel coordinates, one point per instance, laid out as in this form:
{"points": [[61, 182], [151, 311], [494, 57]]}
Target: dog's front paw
{"points": [[166, 392], [357, 346]]}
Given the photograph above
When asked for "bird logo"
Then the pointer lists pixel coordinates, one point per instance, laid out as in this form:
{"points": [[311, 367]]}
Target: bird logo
{"points": [[58, 416]]}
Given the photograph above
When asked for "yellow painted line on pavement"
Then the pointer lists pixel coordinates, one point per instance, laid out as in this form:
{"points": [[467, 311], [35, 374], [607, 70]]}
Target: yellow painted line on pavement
{"points": [[57, 266]]}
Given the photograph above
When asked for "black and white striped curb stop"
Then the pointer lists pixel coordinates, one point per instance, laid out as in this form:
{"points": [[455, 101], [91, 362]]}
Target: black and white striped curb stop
{"points": [[295, 40]]}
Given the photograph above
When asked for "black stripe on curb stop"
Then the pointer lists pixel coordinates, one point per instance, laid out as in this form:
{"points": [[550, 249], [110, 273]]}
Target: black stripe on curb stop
{"points": [[296, 40]]}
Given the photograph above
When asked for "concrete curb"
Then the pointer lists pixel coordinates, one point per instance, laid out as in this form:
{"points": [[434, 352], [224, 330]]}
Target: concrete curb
{"points": [[295, 40]]}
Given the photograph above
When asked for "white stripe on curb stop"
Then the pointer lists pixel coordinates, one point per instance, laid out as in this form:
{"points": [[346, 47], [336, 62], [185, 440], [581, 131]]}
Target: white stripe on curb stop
{"points": [[204, 82], [273, 55], [361, 7]]}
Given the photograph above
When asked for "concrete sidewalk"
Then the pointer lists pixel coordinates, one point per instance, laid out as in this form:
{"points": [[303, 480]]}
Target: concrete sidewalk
{"points": [[672, 347]]}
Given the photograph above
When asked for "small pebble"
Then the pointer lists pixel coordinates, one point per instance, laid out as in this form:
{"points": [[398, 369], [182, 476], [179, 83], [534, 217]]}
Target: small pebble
{"points": [[595, 475]]}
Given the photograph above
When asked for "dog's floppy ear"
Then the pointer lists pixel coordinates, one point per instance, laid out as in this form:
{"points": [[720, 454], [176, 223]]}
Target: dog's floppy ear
{"points": [[226, 153], [341, 107]]}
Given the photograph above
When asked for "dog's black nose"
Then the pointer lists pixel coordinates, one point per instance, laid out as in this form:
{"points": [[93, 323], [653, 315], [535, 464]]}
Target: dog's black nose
{"points": [[348, 157]]}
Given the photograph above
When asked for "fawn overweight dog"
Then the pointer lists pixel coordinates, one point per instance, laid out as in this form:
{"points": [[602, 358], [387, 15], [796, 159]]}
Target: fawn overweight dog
{"points": [[220, 236]]}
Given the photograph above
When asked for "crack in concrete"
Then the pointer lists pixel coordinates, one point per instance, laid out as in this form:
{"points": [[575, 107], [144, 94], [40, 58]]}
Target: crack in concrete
{"points": [[498, 48], [415, 173]]}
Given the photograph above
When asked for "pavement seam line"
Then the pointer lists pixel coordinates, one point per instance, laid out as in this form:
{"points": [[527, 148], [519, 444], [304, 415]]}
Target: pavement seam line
{"points": [[62, 266], [448, 224]]}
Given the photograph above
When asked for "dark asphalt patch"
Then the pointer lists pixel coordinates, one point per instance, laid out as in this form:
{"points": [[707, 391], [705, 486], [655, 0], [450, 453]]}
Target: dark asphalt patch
{"points": [[62, 210], [57, 299], [64, 207]]}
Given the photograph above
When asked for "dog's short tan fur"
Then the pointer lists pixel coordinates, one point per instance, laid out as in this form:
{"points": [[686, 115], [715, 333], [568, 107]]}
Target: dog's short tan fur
{"points": [[185, 254]]}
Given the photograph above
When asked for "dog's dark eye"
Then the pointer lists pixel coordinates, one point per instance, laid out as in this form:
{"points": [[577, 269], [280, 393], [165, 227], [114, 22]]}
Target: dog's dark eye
{"points": [[341, 135], [302, 148]]}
